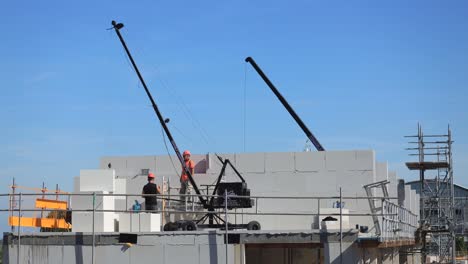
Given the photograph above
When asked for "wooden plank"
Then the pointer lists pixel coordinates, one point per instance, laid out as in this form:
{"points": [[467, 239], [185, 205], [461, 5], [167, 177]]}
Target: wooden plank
{"points": [[38, 222], [51, 204]]}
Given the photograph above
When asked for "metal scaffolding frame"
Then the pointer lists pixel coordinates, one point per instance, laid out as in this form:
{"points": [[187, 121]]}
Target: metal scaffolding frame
{"points": [[437, 211]]}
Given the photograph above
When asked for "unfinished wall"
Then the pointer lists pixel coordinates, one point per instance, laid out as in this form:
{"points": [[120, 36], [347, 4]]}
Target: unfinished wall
{"points": [[275, 174]]}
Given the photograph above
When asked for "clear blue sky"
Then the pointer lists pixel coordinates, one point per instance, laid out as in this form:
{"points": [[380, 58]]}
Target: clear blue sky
{"points": [[360, 74]]}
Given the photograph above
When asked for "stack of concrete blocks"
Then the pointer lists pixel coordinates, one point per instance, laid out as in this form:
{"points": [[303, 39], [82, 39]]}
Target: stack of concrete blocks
{"points": [[139, 222], [100, 182]]}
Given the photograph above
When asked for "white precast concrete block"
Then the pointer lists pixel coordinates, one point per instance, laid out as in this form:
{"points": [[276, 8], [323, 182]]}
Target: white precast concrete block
{"points": [[120, 186], [393, 185], [139, 222], [97, 180], [129, 222], [365, 160], [349, 160], [413, 201], [322, 183], [339, 160], [310, 161], [251, 162], [116, 163], [214, 165], [407, 203], [76, 184], [381, 171], [165, 166], [142, 162], [82, 221], [150, 222], [279, 162], [333, 224]]}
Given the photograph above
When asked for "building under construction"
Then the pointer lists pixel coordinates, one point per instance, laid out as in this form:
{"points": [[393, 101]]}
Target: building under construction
{"points": [[313, 207], [286, 207]]}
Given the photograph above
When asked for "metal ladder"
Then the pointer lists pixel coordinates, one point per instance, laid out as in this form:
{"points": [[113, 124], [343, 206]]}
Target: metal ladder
{"points": [[371, 199]]}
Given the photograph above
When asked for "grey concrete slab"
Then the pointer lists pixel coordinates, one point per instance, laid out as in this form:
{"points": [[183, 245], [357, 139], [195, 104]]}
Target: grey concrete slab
{"points": [[142, 162], [251, 162], [167, 165], [112, 254], [214, 165], [97, 180], [147, 254], [279, 162], [180, 253], [309, 161]]}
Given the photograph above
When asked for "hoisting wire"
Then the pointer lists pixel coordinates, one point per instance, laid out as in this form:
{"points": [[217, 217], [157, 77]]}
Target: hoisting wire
{"points": [[179, 100], [245, 102], [168, 153]]}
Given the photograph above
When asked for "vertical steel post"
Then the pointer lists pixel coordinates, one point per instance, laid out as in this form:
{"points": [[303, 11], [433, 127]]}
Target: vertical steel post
{"points": [[341, 227], [226, 222], [12, 201], [19, 228], [318, 212], [94, 238]]}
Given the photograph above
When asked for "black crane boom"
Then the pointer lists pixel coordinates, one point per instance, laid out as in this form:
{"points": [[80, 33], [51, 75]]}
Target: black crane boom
{"points": [[117, 27], [285, 103]]}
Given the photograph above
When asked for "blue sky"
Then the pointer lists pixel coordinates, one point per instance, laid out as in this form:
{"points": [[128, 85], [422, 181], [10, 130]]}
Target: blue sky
{"points": [[360, 74]]}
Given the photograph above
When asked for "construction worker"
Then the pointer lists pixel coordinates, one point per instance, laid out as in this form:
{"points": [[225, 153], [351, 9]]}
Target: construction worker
{"points": [[151, 188], [184, 180]]}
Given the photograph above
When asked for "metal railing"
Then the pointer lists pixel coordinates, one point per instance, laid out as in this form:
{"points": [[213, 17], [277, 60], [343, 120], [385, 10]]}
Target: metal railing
{"points": [[396, 222]]}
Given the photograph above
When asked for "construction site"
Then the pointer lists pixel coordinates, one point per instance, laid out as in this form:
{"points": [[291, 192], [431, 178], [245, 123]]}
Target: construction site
{"points": [[314, 206]]}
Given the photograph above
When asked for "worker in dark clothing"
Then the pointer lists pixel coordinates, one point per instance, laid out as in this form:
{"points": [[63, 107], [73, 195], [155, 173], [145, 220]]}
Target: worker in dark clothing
{"points": [[151, 188]]}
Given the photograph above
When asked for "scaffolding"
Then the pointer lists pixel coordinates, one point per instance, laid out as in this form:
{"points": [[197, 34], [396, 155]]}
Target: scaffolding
{"points": [[437, 224]]}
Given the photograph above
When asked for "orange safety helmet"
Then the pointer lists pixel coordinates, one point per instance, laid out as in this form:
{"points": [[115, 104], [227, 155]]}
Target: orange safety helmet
{"points": [[151, 175], [186, 153]]}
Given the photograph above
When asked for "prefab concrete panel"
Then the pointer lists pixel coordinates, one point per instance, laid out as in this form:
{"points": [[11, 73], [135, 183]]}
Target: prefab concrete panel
{"points": [[279, 162], [120, 186], [251, 162], [309, 161], [174, 253], [350, 160], [393, 185], [83, 222], [340, 160], [142, 162], [214, 165], [165, 165], [215, 253], [365, 160], [97, 180], [147, 254], [381, 171], [113, 254]]}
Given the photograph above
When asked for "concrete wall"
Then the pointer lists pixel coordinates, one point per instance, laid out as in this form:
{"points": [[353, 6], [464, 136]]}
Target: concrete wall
{"points": [[77, 249], [275, 174]]}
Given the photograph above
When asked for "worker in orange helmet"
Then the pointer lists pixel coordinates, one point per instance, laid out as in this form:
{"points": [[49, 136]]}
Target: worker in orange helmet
{"points": [[151, 188], [184, 180]]}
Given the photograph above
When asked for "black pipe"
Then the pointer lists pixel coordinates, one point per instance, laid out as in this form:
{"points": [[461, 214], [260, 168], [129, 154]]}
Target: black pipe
{"points": [[285, 103], [117, 27]]}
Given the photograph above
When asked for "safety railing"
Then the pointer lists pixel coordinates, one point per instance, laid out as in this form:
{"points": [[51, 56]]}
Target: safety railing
{"points": [[396, 222]]}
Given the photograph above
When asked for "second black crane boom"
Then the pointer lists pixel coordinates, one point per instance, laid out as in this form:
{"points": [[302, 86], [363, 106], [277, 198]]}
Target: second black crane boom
{"points": [[285, 103]]}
